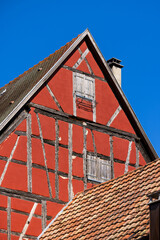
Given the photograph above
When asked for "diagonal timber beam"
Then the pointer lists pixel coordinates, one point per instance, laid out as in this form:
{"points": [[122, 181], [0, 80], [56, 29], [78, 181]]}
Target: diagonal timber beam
{"points": [[114, 116], [28, 221], [44, 155], [54, 98], [82, 57], [89, 67], [9, 159]]}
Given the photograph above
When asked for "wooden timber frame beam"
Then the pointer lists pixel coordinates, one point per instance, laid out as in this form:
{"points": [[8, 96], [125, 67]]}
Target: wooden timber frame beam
{"points": [[92, 46], [23, 212], [28, 196], [60, 173], [73, 120], [87, 74], [92, 126], [80, 121], [13, 233]]}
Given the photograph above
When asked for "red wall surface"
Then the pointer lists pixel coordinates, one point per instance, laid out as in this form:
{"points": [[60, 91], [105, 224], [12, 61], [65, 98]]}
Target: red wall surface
{"points": [[43, 147]]}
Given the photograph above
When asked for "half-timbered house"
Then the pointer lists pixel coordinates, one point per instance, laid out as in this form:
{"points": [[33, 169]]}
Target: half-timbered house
{"points": [[65, 125]]}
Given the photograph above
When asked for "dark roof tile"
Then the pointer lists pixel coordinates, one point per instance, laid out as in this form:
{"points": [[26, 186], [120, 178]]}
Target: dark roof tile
{"points": [[17, 89]]}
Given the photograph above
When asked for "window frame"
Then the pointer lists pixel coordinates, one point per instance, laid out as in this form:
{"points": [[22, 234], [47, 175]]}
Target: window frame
{"points": [[80, 91], [96, 167]]}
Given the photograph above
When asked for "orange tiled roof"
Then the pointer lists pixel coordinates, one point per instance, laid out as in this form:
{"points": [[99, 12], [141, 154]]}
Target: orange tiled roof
{"points": [[117, 209]]}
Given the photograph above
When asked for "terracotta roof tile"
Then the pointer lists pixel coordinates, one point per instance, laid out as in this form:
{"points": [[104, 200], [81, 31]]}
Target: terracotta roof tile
{"points": [[117, 209]]}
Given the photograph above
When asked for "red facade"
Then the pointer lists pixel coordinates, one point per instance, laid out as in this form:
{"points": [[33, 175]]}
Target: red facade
{"points": [[44, 161]]}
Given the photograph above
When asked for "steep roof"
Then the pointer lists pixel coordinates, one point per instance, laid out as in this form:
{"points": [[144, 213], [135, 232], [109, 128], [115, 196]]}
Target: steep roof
{"points": [[17, 93], [117, 209]]}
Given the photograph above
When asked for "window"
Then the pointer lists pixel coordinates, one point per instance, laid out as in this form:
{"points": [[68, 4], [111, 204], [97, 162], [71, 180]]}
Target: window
{"points": [[84, 86], [83, 92], [98, 169]]}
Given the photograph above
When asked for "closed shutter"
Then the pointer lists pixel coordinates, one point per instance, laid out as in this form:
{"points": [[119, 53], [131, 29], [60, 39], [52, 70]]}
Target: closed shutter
{"points": [[98, 169], [105, 170], [91, 167], [84, 86], [79, 85], [88, 88]]}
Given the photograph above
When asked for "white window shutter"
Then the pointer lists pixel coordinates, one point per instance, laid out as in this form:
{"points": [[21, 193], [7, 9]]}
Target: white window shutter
{"points": [[84, 86], [79, 85], [105, 170], [91, 167], [98, 169]]}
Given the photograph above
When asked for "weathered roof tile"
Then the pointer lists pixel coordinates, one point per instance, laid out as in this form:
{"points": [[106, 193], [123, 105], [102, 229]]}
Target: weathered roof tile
{"points": [[117, 209]]}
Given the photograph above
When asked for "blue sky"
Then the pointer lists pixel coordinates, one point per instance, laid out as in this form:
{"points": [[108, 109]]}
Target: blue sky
{"points": [[127, 30]]}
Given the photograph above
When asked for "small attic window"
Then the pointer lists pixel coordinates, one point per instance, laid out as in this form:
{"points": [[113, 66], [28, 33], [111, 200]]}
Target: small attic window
{"points": [[84, 86], [98, 169], [84, 91]]}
